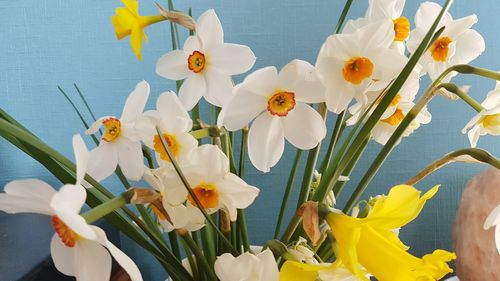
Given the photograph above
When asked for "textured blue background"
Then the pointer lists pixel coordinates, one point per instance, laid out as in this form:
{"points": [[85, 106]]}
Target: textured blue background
{"points": [[45, 43]]}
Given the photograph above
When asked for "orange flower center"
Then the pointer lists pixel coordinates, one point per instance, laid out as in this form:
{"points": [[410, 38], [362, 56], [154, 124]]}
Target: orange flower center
{"points": [[68, 236], [401, 28], [395, 118], [196, 62], [491, 120], [357, 69], [440, 48], [172, 143], [395, 100], [207, 194], [281, 103], [113, 129]]}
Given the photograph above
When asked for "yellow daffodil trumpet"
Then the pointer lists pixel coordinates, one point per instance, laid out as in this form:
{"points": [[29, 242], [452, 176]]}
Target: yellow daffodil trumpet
{"points": [[127, 21], [372, 242]]}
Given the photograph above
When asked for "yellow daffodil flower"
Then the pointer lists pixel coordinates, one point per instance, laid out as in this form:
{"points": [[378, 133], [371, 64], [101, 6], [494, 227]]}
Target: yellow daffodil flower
{"points": [[371, 242], [127, 21]]}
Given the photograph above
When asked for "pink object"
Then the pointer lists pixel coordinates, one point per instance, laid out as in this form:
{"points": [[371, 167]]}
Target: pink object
{"points": [[477, 256]]}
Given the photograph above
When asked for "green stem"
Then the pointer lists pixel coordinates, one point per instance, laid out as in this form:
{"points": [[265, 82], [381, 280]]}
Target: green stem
{"points": [[242, 225], [200, 258], [341, 20], [82, 97], [337, 131], [208, 243], [286, 195], [476, 153], [312, 158], [108, 207], [463, 95]]}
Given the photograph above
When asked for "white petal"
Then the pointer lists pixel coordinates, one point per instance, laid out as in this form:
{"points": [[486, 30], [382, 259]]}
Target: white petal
{"points": [[209, 29], [219, 87], [268, 263], [456, 27], [241, 108], [122, 259], [136, 101], [93, 262], [81, 157], [387, 64], [70, 198], [262, 82], [96, 125], [191, 91], [130, 159], [27, 196], [304, 127], [300, 77], [173, 112], [229, 268], [338, 98], [102, 161], [427, 13], [210, 161], [191, 44], [232, 59], [469, 45], [63, 256], [266, 141], [474, 134], [173, 65], [379, 34], [236, 194]]}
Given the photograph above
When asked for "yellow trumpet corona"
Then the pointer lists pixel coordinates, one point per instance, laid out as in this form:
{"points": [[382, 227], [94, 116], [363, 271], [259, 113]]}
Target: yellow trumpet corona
{"points": [[370, 246], [127, 21], [372, 243]]}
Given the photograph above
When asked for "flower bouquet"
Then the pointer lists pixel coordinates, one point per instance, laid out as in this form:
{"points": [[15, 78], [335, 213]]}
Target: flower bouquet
{"points": [[188, 213]]}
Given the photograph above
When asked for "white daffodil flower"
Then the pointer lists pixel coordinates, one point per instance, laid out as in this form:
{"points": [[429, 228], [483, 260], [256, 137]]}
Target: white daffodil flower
{"points": [[349, 64], [180, 215], [120, 144], [279, 104], [396, 112], [247, 267], [488, 120], [493, 220], [458, 44], [175, 124], [77, 248], [212, 183], [385, 10], [207, 63]]}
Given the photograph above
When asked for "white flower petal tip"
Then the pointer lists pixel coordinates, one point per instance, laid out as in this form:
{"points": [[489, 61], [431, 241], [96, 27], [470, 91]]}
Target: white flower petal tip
{"points": [[260, 267], [81, 157]]}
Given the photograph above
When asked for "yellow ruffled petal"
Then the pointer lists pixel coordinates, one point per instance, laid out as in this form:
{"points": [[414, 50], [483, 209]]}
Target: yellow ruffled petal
{"points": [[136, 41], [371, 243], [402, 205], [132, 6]]}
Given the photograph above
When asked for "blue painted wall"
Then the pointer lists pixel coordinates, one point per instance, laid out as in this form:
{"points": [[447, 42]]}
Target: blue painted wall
{"points": [[46, 43]]}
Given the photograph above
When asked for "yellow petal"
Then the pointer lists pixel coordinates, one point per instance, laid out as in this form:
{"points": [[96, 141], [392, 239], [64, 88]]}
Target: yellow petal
{"points": [[136, 41], [132, 6], [293, 271], [402, 205]]}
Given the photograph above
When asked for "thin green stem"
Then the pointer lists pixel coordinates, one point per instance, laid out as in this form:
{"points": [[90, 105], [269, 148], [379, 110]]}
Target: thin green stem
{"points": [[312, 158], [288, 189], [337, 131], [107, 207], [463, 95], [82, 97], [200, 258]]}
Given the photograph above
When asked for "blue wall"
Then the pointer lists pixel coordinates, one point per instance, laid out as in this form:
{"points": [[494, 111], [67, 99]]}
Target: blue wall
{"points": [[45, 43]]}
